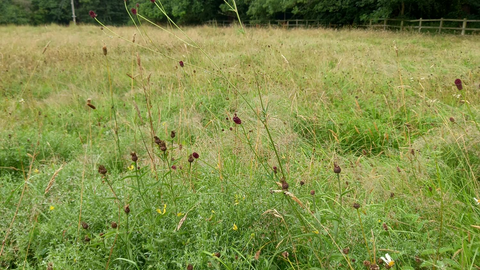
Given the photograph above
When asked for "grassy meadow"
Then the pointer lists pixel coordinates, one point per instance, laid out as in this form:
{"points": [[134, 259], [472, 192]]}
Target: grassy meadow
{"points": [[269, 149]]}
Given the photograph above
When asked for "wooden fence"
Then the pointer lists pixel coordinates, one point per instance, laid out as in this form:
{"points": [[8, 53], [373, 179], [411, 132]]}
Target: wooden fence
{"points": [[438, 25]]}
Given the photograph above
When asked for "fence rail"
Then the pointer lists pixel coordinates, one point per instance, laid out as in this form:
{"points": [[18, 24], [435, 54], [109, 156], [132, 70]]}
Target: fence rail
{"points": [[419, 26], [460, 25]]}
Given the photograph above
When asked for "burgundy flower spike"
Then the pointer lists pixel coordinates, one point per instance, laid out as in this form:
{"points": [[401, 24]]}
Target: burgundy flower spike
{"points": [[458, 83], [92, 14]]}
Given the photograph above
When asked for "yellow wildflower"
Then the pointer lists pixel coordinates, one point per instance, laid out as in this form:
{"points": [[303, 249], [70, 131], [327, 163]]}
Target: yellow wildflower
{"points": [[36, 171], [316, 232], [51, 208], [131, 167], [162, 212], [180, 214], [235, 227]]}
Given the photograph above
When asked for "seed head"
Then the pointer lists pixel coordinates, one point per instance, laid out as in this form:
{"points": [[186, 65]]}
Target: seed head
{"points": [[181, 63], [336, 168], [126, 209], [284, 185], [92, 14], [134, 156], [275, 169], [452, 119], [157, 140], [134, 11], [86, 239], [189, 266], [104, 49], [195, 155], [302, 183], [102, 170], [366, 263], [174, 167], [458, 83], [190, 158], [89, 104], [153, 1], [346, 250], [84, 225], [217, 254], [237, 120], [114, 225], [312, 192], [385, 227], [356, 205], [172, 134], [285, 254]]}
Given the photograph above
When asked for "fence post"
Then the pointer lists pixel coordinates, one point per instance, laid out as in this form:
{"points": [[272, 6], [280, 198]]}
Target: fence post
{"points": [[441, 25], [420, 25], [385, 24], [401, 25], [296, 23], [464, 25], [370, 24]]}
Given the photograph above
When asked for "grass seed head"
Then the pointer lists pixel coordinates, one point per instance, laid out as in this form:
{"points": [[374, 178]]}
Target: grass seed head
{"points": [[114, 225], [104, 49], [284, 185], [312, 192], [452, 119], [190, 158], [172, 134], [127, 209], [356, 205]]}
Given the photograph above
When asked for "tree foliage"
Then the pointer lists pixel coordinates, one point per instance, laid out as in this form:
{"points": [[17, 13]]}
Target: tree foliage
{"points": [[200, 11]]}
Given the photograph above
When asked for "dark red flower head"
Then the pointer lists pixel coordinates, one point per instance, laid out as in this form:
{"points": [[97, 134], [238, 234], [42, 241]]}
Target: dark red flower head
{"points": [[137, 5], [195, 155], [92, 14], [134, 11], [237, 120], [458, 83], [181, 63], [153, 1]]}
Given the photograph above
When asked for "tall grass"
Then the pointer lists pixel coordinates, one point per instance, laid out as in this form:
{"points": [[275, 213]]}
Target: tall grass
{"points": [[260, 193]]}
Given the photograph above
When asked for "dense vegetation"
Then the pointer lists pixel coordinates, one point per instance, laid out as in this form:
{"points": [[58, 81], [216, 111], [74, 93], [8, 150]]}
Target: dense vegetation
{"points": [[199, 11], [303, 149]]}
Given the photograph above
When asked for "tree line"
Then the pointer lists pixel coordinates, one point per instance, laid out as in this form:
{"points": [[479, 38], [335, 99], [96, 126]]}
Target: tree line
{"points": [[346, 12]]}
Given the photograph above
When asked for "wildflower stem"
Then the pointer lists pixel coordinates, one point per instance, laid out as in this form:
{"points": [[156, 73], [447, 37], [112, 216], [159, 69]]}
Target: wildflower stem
{"points": [[364, 236], [439, 244]]}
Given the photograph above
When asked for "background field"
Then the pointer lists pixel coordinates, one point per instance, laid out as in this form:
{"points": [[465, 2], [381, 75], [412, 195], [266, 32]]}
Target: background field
{"points": [[381, 105]]}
